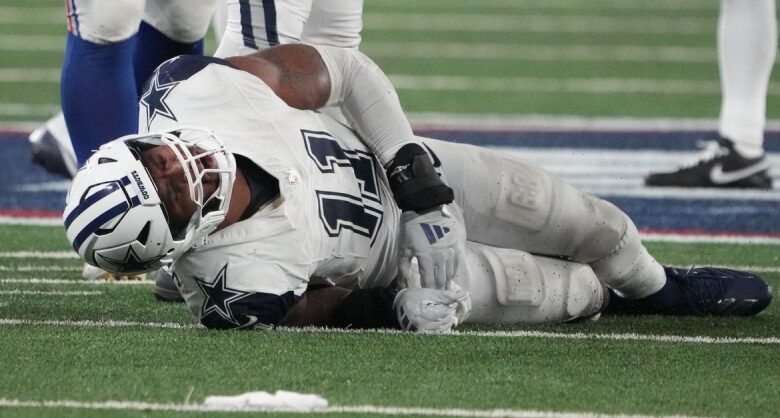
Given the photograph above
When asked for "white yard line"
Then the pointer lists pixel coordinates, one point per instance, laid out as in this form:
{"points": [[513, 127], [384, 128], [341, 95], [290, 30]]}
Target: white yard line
{"points": [[29, 75], [651, 7], [47, 186], [356, 409], [36, 281], [13, 220], [714, 239], [15, 292], [539, 23], [556, 85], [28, 268], [39, 254], [27, 110], [98, 324], [499, 334], [540, 53], [34, 16]]}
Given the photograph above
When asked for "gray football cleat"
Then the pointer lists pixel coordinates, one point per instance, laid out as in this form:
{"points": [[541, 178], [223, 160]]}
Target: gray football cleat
{"points": [[51, 148], [165, 289]]}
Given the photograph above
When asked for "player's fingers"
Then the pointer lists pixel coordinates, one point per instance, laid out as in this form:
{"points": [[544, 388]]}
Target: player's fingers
{"points": [[448, 297], [436, 320], [425, 264], [404, 271], [452, 266], [439, 269]]}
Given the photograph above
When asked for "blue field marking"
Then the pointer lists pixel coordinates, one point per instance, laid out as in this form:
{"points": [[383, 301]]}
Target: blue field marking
{"points": [[609, 164], [27, 186], [616, 140], [711, 216]]}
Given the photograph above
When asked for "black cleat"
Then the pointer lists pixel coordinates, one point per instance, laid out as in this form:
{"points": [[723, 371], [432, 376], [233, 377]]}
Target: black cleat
{"points": [[701, 291], [49, 149], [719, 166]]}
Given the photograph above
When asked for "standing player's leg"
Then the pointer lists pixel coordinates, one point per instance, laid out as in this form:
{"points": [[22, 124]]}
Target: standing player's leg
{"points": [[334, 23], [512, 204], [98, 89], [254, 25], [219, 21], [747, 45], [170, 28]]}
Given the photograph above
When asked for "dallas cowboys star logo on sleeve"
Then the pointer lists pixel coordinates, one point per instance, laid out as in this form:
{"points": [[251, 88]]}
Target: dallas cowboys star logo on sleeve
{"points": [[153, 99], [219, 297]]}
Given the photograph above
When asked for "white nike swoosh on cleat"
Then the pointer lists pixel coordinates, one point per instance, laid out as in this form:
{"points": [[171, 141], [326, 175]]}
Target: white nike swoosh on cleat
{"points": [[718, 176]]}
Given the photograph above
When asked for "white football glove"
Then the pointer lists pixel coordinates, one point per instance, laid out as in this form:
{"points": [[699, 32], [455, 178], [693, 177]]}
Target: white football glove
{"points": [[437, 240], [431, 310]]}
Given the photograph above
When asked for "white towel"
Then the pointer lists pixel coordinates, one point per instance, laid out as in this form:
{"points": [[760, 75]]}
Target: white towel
{"points": [[281, 400]]}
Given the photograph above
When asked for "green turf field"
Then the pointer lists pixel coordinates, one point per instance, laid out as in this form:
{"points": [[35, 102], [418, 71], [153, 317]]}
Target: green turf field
{"points": [[68, 340], [71, 348]]}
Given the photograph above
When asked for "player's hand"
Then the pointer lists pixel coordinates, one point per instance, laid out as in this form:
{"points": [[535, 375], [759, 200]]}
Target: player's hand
{"points": [[437, 240], [430, 310]]}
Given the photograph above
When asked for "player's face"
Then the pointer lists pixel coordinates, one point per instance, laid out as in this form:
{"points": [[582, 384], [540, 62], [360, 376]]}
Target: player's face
{"points": [[172, 186]]}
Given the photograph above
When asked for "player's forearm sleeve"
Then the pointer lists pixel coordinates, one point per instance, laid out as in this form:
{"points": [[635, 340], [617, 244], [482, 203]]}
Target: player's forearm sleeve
{"points": [[368, 101]]}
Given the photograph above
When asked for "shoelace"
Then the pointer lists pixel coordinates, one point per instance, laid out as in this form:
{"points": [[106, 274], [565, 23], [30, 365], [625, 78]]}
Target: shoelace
{"points": [[712, 292], [710, 150]]}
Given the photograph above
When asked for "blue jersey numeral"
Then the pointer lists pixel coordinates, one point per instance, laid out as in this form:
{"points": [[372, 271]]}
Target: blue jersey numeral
{"points": [[338, 211]]}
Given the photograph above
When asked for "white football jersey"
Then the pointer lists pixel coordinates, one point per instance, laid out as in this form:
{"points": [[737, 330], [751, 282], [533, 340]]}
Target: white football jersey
{"points": [[336, 222]]}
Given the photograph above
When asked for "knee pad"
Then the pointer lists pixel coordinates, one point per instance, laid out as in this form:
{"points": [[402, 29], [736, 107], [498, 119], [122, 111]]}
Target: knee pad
{"points": [[511, 286], [105, 22], [184, 21]]}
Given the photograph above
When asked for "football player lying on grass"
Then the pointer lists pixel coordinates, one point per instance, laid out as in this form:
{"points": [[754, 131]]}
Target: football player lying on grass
{"points": [[274, 214]]}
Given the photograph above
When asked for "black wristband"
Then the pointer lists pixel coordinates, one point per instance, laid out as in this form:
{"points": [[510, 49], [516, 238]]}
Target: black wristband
{"points": [[367, 308], [415, 183]]}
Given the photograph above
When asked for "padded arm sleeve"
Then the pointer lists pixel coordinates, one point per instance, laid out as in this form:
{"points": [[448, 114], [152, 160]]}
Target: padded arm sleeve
{"points": [[368, 101]]}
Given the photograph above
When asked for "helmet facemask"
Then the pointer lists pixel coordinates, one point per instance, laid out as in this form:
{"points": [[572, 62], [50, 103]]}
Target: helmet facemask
{"points": [[204, 161]]}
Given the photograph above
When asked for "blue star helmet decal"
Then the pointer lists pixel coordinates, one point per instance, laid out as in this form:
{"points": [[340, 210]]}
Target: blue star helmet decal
{"points": [[131, 261], [154, 97]]}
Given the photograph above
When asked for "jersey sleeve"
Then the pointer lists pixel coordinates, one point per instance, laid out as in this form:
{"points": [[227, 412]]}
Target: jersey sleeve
{"points": [[252, 310], [225, 291]]}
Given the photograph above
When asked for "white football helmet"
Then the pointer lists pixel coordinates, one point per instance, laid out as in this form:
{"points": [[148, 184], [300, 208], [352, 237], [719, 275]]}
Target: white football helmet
{"points": [[114, 217]]}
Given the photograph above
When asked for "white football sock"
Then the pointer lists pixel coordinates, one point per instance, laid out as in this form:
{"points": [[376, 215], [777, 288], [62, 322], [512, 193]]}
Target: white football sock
{"points": [[747, 44]]}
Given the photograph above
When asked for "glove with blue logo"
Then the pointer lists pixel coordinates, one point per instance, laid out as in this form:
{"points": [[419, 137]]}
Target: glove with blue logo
{"points": [[436, 239]]}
